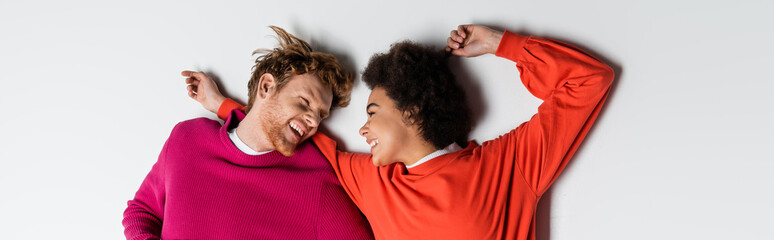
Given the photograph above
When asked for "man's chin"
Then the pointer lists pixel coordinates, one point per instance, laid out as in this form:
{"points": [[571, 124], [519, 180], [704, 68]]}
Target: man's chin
{"points": [[286, 153], [286, 149]]}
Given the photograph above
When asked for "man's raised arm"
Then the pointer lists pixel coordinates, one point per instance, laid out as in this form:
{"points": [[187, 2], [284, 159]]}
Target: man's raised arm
{"points": [[204, 90]]}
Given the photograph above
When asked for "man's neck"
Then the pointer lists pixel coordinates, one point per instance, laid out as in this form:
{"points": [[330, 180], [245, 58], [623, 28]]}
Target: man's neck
{"points": [[251, 133]]}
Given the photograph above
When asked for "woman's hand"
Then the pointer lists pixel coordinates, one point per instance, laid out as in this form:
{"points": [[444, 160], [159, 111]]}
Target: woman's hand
{"points": [[473, 41]]}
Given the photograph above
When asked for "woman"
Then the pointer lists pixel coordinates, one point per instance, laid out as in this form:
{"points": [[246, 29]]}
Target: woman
{"points": [[424, 185]]}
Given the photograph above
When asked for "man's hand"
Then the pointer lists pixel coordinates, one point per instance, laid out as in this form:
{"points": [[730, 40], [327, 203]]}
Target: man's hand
{"points": [[202, 89], [473, 41]]}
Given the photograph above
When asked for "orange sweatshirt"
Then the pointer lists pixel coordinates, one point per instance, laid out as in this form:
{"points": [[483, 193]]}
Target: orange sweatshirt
{"points": [[487, 191]]}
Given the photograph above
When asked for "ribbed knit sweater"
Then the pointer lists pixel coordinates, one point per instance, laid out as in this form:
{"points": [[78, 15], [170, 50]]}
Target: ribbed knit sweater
{"points": [[203, 187]]}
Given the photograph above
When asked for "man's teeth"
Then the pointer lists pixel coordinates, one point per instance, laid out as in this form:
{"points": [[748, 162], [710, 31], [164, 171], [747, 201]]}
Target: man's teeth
{"points": [[294, 127], [373, 143]]}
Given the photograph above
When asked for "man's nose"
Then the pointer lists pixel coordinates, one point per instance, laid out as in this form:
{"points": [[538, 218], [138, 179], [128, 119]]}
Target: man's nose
{"points": [[312, 120]]}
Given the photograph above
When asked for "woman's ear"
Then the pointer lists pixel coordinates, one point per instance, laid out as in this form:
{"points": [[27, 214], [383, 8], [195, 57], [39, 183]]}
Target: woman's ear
{"points": [[410, 116], [267, 86]]}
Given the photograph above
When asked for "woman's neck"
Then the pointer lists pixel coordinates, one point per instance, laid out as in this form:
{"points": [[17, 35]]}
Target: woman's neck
{"points": [[417, 151]]}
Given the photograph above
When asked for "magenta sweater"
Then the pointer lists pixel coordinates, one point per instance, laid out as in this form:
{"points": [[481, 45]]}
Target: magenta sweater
{"points": [[203, 187]]}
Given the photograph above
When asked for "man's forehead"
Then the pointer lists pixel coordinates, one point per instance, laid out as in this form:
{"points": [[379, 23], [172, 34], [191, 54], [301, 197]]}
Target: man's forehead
{"points": [[310, 84], [316, 93]]}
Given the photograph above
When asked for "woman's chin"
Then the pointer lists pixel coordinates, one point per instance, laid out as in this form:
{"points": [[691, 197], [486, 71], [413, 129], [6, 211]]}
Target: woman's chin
{"points": [[375, 161]]}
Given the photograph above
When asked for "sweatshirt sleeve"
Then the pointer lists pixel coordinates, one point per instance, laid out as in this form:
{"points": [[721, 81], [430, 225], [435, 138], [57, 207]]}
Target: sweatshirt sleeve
{"points": [[352, 169], [227, 106], [573, 86], [144, 214]]}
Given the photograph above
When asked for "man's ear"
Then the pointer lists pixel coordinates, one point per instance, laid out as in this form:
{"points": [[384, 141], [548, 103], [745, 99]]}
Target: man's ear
{"points": [[267, 86]]}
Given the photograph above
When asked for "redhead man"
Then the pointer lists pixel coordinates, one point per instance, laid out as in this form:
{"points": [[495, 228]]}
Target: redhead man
{"points": [[256, 176]]}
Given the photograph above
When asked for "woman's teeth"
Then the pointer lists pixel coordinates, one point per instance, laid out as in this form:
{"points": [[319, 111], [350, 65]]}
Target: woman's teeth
{"points": [[374, 142]]}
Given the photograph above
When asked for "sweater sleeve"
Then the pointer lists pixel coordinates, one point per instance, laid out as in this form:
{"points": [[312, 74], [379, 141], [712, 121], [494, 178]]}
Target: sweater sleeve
{"points": [[144, 214], [573, 86], [227, 106], [339, 217]]}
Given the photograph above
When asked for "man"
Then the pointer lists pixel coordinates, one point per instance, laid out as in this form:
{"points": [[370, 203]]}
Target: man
{"points": [[256, 176]]}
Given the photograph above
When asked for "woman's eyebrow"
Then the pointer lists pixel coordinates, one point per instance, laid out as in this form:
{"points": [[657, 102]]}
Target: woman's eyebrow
{"points": [[371, 105]]}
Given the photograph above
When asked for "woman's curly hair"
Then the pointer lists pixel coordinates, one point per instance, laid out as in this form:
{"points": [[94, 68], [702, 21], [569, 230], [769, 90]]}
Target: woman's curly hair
{"points": [[418, 80], [295, 57]]}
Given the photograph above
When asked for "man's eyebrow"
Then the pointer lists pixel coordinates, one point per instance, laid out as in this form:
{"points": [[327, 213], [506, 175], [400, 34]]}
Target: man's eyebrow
{"points": [[371, 105]]}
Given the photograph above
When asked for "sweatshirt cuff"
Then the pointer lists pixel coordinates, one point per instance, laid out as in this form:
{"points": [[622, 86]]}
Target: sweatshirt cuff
{"points": [[226, 107], [511, 45]]}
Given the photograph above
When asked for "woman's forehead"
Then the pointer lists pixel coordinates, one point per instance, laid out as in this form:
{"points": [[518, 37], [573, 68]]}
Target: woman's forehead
{"points": [[379, 98]]}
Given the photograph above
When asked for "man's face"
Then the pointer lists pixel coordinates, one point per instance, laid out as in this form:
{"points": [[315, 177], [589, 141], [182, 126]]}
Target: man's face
{"points": [[292, 114]]}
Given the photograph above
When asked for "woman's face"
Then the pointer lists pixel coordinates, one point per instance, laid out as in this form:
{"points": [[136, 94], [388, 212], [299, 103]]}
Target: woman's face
{"points": [[388, 132]]}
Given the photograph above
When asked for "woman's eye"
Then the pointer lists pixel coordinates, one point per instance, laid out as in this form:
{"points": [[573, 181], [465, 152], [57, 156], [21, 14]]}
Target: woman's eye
{"points": [[370, 113], [305, 101]]}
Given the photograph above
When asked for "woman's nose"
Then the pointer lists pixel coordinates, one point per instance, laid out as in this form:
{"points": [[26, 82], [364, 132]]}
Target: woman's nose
{"points": [[364, 129]]}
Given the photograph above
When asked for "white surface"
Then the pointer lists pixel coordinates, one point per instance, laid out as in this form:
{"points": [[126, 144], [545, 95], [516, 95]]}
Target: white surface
{"points": [[91, 90]]}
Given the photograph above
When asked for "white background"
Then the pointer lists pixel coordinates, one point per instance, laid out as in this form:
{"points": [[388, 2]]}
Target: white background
{"points": [[89, 91]]}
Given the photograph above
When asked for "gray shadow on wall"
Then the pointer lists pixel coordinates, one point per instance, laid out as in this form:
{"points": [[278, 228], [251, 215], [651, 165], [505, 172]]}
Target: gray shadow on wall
{"points": [[472, 87]]}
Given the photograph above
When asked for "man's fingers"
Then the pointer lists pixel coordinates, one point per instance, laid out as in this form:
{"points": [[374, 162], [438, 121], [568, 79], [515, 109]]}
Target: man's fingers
{"points": [[191, 91], [193, 81], [195, 75], [201, 76], [187, 73]]}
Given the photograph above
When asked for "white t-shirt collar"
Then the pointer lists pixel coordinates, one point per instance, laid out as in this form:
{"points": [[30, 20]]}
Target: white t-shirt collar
{"points": [[448, 149], [241, 145]]}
